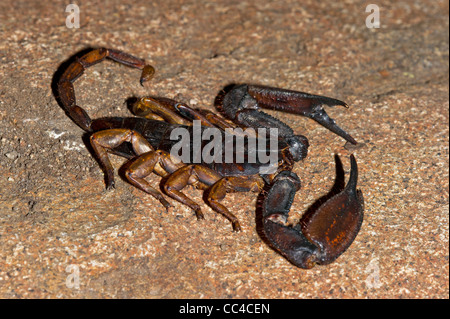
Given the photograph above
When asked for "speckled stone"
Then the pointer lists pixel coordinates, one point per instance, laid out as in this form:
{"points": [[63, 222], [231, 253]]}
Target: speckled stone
{"points": [[64, 236]]}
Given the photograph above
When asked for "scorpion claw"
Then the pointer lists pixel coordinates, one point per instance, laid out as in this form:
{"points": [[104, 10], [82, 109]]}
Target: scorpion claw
{"points": [[242, 105], [320, 116], [320, 237]]}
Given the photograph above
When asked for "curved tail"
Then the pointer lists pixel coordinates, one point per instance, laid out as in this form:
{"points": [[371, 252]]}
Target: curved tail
{"points": [[65, 83]]}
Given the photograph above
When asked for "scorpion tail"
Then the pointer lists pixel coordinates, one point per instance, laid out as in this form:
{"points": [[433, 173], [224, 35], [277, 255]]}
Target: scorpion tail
{"points": [[65, 84], [319, 238]]}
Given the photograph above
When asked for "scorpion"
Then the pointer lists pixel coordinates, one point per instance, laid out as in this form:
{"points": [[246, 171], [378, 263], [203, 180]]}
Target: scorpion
{"points": [[319, 238]]}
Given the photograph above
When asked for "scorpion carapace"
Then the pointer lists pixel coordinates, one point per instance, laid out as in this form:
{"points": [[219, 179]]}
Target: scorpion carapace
{"points": [[146, 139]]}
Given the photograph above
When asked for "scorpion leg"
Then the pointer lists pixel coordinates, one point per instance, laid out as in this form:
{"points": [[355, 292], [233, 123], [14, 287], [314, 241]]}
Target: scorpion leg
{"points": [[319, 238], [175, 112], [171, 111], [102, 141], [140, 168], [76, 69], [147, 161], [198, 115], [219, 190], [242, 105], [219, 186], [164, 108], [158, 162], [189, 175]]}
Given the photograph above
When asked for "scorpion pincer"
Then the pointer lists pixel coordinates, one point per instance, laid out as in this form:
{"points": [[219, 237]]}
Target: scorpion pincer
{"points": [[318, 238]]}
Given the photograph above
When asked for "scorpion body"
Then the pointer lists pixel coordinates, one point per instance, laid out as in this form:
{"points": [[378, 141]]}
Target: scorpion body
{"points": [[147, 141], [158, 134]]}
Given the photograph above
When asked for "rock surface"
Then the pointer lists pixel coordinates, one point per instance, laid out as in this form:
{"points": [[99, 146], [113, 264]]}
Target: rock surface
{"points": [[57, 222]]}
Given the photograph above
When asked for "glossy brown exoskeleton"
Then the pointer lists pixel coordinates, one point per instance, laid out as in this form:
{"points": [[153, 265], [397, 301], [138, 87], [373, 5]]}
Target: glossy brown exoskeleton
{"points": [[319, 238]]}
